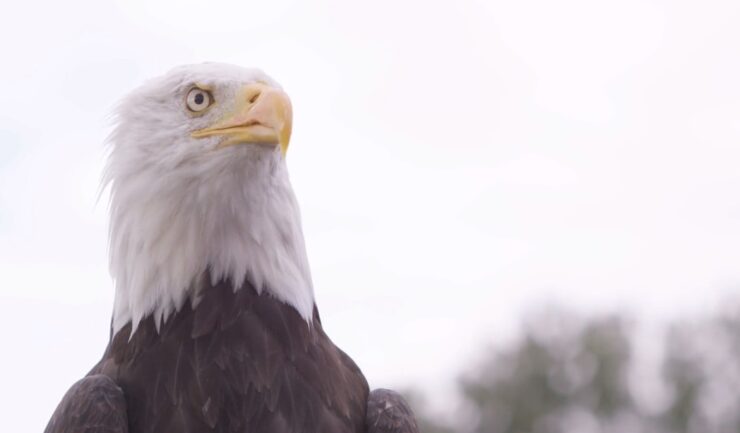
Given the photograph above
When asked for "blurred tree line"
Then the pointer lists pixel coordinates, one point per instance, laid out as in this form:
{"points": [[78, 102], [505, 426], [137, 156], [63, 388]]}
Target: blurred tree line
{"points": [[603, 374]]}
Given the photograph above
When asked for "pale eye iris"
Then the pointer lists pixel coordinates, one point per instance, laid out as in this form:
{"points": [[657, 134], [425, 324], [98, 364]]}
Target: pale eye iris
{"points": [[198, 100]]}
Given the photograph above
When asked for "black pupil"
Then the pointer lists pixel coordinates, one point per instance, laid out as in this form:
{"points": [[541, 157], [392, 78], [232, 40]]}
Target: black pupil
{"points": [[199, 98]]}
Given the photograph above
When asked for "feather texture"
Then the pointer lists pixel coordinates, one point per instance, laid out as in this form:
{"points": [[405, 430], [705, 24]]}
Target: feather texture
{"points": [[94, 404], [388, 412], [239, 362]]}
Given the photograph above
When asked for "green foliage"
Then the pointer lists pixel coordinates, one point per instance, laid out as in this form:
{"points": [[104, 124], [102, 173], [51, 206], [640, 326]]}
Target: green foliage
{"points": [[568, 374]]}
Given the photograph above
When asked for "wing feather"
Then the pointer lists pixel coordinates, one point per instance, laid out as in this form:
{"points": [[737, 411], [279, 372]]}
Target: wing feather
{"points": [[388, 412], [94, 404]]}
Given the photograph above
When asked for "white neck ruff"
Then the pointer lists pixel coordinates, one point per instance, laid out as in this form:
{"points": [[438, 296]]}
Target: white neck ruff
{"points": [[234, 217]]}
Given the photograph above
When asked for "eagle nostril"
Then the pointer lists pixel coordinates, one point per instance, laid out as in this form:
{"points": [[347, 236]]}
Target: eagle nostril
{"points": [[254, 97]]}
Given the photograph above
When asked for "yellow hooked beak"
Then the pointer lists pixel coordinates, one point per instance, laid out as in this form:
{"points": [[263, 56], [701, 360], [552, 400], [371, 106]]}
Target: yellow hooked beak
{"points": [[262, 115]]}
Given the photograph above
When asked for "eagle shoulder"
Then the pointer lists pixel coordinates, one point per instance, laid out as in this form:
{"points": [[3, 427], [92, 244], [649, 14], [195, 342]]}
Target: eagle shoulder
{"points": [[388, 412], [94, 404]]}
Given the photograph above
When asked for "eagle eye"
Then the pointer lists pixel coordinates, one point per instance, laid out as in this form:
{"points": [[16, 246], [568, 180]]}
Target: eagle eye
{"points": [[198, 99]]}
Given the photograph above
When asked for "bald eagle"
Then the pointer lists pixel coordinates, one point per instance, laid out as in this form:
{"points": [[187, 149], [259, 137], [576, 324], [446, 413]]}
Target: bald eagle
{"points": [[214, 324]]}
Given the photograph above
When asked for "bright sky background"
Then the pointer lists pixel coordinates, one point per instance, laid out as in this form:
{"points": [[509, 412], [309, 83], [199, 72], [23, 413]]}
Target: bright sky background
{"points": [[456, 162]]}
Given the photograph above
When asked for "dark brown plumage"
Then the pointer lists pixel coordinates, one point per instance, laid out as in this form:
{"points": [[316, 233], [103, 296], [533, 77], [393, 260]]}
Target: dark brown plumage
{"points": [[94, 404], [388, 412], [238, 362]]}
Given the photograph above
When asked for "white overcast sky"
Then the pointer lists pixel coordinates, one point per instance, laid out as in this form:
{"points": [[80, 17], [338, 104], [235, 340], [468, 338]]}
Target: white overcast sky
{"points": [[456, 162]]}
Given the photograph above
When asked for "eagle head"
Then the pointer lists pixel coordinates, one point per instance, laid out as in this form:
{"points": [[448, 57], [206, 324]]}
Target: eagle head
{"points": [[200, 190]]}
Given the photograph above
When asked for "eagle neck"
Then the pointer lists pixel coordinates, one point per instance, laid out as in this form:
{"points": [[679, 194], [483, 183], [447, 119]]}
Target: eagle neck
{"points": [[234, 218]]}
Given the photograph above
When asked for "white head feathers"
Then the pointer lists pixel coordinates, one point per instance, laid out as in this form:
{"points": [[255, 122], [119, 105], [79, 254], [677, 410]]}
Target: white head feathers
{"points": [[180, 206]]}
